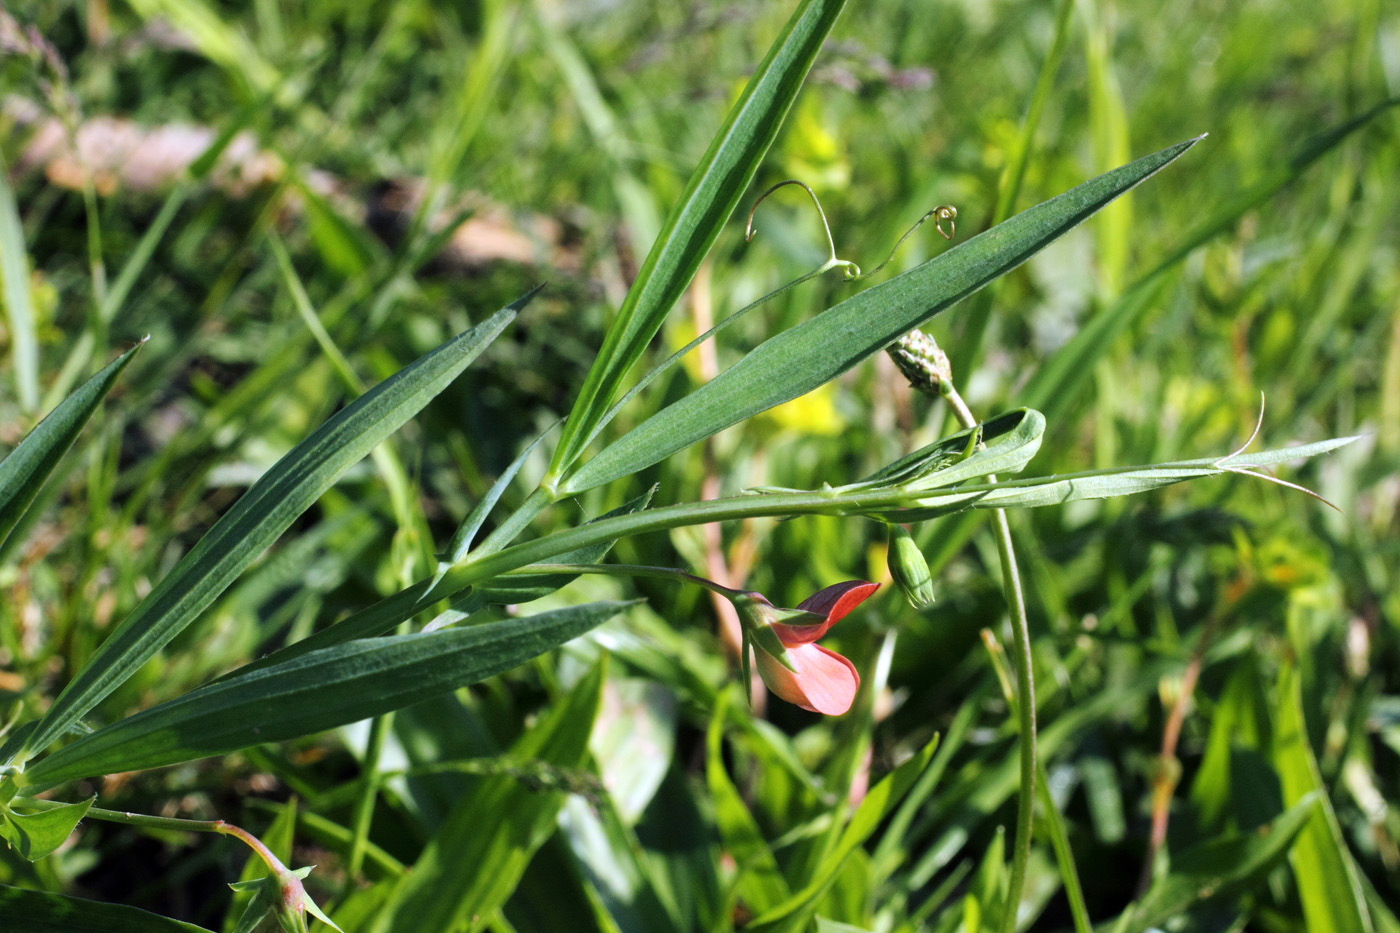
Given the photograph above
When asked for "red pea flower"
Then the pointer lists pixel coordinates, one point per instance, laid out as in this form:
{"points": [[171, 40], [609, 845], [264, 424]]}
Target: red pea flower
{"points": [[789, 661]]}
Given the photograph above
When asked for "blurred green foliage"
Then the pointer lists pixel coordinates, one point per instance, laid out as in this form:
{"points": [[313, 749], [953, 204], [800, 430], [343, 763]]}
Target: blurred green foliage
{"points": [[1280, 616]]}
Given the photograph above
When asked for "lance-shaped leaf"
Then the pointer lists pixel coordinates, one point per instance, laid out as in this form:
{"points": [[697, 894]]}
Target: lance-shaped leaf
{"points": [[887, 504], [465, 535], [875, 807], [1329, 883], [1008, 442], [258, 517], [804, 357], [1096, 484], [312, 693], [23, 472], [712, 193], [408, 602]]}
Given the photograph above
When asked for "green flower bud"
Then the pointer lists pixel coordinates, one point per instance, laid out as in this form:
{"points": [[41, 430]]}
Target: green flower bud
{"points": [[909, 569]]}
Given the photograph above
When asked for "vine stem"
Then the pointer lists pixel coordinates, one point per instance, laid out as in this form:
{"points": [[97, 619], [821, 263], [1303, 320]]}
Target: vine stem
{"points": [[148, 821]]}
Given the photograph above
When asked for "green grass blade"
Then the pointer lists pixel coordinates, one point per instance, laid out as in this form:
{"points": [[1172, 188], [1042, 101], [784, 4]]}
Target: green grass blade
{"points": [[221, 43], [1332, 897], [1009, 441], [804, 357], [1218, 868], [474, 862], [1056, 382], [258, 518], [465, 535], [315, 692], [408, 602], [42, 912], [19, 304], [877, 805], [1108, 128], [23, 472], [1015, 172], [758, 878], [711, 195]]}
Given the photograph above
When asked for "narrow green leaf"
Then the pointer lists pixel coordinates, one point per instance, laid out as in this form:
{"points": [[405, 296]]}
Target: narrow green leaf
{"points": [[1234, 774], [804, 357], [408, 602], [614, 864], [711, 195], [1095, 484], [19, 304], [315, 692], [1333, 901], [1009, 442], [825, 925], [42, 912], [23, 472], [259, 517], [1015, 171], [461, 542], [1219, 868], [476, 858], [35, 835], [223, 44]]}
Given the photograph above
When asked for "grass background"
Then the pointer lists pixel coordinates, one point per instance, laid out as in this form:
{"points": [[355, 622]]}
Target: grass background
{"points": [[578, 125]]}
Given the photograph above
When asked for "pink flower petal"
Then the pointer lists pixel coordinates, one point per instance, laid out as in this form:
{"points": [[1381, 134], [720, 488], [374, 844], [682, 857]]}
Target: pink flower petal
{"points": [[824, 681]]}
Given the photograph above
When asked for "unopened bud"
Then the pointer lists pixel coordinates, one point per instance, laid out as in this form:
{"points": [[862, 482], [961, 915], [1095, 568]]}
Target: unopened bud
{"points": [[909, 569], [922, 362]]}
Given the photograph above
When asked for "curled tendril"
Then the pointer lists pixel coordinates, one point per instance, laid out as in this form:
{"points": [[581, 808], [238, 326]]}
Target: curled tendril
{"points": [[939, 214], [750, 230], [1224, 464]]}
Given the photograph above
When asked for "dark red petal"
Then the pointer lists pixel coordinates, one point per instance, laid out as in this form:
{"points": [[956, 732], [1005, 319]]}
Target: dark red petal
{"points": [[838, 599]]}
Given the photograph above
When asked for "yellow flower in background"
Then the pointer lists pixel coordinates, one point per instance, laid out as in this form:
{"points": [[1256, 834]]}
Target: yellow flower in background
{"points": [[813, 413], [811, 153]]}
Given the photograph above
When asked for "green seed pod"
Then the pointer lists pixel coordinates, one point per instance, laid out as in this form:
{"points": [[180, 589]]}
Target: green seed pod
{"points": [[909, 569]]}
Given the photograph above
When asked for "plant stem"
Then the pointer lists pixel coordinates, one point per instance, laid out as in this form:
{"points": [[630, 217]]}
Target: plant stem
{"points": [[1025, 689], [630, 570], [934, 375], [1025, 685], [146, 821]]}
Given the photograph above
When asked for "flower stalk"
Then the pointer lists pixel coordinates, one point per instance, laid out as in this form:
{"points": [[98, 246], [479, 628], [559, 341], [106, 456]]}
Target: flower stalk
{"points": [[927, 368]]}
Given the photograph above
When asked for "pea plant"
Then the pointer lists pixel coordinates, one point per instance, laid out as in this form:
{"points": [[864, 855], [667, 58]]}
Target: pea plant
{"points": [[451, 629]]}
